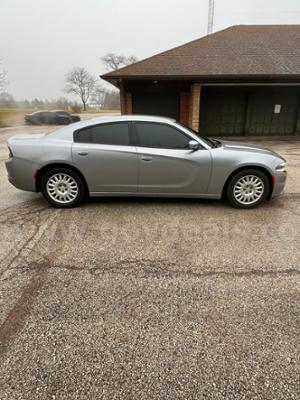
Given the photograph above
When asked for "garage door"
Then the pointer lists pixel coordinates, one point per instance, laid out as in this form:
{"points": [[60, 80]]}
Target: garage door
{"points": [[165, 105], [223, 111], [272, 111], [249, 111]]}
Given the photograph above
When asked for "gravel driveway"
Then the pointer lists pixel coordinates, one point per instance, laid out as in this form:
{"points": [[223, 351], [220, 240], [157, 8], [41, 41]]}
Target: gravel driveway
{"points": [[149, 299]]}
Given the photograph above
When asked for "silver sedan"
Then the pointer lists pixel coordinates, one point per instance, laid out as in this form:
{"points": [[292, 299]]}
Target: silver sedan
{"points": [[142, 156]]}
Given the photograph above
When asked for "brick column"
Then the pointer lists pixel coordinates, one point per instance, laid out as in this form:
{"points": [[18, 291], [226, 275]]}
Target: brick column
{"points": [[195, 97]]}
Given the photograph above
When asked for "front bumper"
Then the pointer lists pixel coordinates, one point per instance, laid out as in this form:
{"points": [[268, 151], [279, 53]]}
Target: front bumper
{"points": [[280, 178]]}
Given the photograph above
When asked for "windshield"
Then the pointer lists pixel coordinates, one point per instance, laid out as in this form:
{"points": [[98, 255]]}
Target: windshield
{"points": [[209, 142]]}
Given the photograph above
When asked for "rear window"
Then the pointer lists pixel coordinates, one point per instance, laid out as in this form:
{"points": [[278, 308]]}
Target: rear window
{"points": [[110, 134]]}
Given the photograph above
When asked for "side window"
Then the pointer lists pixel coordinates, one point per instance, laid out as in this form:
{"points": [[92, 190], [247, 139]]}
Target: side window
{"points": [[160, 136], [114, 134]]}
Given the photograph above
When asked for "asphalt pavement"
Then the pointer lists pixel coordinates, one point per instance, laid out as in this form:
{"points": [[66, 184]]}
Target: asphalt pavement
{"points": [[150, 299]]}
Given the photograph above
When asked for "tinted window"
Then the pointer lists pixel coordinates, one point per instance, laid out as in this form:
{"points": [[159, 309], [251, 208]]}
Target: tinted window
{"points": [[115, 134], [160, 136]]}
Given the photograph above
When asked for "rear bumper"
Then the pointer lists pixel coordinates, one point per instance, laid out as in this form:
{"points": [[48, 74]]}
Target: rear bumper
{"points": [[279, 185], [21, 174]]}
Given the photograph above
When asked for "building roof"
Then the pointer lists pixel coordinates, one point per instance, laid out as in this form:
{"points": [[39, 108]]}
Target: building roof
{"points": [[244, 50]]}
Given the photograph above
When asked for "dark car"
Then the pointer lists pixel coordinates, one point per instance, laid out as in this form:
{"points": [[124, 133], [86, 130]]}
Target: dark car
{"points": [[51, 117]]}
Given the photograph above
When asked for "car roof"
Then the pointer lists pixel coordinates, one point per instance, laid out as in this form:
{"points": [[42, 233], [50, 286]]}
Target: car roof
{"points": [[117, 118], [66, 133], [131, 117], [40, 111]]}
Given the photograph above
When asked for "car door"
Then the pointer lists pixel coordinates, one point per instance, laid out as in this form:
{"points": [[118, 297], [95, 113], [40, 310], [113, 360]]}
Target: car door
{"points": [[48, 117], [166, 164], [107, 158], [41, 117]]}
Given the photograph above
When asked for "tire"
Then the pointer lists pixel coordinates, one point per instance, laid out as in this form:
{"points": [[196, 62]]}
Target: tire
{"points": [[62, 187], [63, 120], [249, 188]]}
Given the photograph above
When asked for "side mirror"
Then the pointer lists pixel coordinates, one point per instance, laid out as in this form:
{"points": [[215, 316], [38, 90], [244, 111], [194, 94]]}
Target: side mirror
{"points": [[194, 145]]}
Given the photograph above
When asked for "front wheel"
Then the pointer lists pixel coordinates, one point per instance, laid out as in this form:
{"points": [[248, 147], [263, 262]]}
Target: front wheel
{"points": [[248, 189], [62, 187]]}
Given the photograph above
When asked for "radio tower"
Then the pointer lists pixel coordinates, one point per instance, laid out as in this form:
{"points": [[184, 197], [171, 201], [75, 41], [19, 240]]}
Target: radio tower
{"points": [[211, 13]]}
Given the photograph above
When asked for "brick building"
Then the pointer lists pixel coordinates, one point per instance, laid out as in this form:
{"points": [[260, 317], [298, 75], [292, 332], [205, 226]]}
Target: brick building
{"points": [[244, 80]]}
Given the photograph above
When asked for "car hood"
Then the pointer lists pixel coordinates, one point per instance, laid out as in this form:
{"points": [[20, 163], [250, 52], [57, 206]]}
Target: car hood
{"points": [[239, 146]]}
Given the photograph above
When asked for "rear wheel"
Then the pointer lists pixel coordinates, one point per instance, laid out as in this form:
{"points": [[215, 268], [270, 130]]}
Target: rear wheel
{"points": [[63, 120], [248, 188], [62, 187]]}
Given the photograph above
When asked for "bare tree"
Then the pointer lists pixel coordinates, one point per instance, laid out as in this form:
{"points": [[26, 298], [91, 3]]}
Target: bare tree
{"points": [[112, 100], [3, 79], [114, 61], [7, 100], [98, 96], [81, 83]]}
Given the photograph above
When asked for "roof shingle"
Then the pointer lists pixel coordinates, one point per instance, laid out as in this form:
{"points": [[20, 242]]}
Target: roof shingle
{"points": [[244, 50]]}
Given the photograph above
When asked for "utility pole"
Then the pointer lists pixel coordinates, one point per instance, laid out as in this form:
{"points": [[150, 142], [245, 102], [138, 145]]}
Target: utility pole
{"points": [[211, 13]]}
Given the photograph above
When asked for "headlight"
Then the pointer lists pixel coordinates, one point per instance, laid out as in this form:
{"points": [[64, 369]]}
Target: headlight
{"points": [[281, 167]]}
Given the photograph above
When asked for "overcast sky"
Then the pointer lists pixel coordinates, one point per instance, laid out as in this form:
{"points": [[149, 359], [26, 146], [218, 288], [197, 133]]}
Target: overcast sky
{"points": [[41, 40]]}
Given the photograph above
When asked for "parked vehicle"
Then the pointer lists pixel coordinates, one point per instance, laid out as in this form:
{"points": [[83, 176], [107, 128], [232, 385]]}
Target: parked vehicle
{"points": [[142, 156], [51, 117]]}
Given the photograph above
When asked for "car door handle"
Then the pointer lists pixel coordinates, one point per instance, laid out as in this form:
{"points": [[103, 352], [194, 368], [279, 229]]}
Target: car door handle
{"points": [[146, 158], [83, 153]]}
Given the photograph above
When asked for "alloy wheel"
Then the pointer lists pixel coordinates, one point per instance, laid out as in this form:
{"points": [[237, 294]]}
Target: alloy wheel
{"points": [[248, 189], [62, 188]]}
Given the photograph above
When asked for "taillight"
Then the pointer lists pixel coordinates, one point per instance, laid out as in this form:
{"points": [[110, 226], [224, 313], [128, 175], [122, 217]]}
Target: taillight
{"points": [[10, 154]]}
